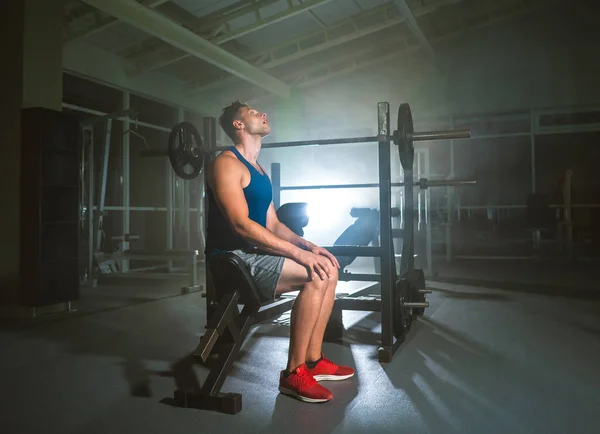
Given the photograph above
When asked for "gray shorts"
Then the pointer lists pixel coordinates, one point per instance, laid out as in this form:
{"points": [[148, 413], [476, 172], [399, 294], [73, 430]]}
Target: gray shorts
{"points": [[265, 270]]}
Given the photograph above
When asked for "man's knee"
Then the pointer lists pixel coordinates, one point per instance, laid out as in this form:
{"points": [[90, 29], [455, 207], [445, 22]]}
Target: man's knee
{"points": [[317, 284], [334, 273], [328, 285]]}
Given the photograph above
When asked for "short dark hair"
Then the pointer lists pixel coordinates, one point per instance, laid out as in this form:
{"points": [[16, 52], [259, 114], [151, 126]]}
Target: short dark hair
{"points": [[231, 113]]}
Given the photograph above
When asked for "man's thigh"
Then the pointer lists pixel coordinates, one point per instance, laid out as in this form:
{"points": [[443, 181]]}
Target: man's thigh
{"points": [[274, 275], [293, 277], [266, 271]]}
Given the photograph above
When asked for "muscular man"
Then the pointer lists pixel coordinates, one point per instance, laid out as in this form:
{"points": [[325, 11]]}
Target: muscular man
{"points": [[242, 220]]}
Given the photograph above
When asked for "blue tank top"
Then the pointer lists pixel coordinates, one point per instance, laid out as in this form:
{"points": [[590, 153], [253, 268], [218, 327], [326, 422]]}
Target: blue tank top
{"points": [[259, 194]]}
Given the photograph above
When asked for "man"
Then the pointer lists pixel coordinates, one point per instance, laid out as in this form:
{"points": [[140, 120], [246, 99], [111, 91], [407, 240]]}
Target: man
{"points": [[242, 219]]}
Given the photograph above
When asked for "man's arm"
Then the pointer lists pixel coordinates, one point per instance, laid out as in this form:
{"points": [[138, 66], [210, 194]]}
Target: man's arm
{"points": [[283, 232], [225, 181]]}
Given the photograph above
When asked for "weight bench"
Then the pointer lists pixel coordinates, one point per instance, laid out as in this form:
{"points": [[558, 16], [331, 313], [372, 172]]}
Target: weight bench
{"points": [[226, 330]]}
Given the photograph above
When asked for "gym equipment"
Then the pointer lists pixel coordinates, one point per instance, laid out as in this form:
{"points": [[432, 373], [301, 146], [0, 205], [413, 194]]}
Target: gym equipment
{"points": [[294, 216], [185, 147], [186, 150], [361, 233], [226, 331], [402, 294], [191, 151]]}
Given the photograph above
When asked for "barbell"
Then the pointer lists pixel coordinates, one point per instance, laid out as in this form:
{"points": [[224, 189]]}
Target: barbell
{"points": [[186, 150]]}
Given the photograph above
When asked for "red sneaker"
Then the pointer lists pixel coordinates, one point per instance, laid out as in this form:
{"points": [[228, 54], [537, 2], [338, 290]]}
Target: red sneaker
{"points": [[326, 370], [300, 384]]}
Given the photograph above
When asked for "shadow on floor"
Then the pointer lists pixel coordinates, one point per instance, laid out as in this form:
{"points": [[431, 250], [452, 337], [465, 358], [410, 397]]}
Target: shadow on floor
{"points": [[526, 288], [105, 297], [456, 384], [483, 295]]}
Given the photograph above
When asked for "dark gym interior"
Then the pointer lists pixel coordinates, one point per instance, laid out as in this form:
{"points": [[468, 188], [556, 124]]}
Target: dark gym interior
{"points": [[444, 151]]}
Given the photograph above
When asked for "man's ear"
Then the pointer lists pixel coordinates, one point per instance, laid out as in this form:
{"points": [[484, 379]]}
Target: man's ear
{"points": [[238, 125]]}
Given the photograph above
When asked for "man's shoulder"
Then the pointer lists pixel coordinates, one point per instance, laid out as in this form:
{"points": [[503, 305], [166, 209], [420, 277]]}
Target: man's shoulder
{"points": [[226, 163], [226, 159]]}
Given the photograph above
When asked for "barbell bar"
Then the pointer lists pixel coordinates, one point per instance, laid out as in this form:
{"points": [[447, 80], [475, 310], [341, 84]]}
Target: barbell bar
{"points": [[417, 304], [425, 183], [186, 150], [422, 183]]}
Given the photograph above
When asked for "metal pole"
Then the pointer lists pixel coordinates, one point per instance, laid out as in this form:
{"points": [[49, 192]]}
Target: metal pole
{"points": [[169, 219], [186, 196], [420, 193], [429, 268], [407, 261], [533, 115], [449, 222], [385, 192], [126, 179], [568, 213], [89, 134], [104, 175], [450, 201], [276, 182], [200, 213], [402, 207]]}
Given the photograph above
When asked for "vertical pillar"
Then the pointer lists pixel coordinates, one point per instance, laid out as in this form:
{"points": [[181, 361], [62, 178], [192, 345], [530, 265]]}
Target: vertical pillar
{"points": [[450, 202], [276, 182], [428, 254], [42, 53], [169, 219], [532, 138], [32, 77], [388, 268], [126, 179], [186, 197]]}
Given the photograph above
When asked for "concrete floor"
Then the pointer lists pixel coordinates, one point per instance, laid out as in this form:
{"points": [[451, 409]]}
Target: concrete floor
{"points": [[480, 361]]}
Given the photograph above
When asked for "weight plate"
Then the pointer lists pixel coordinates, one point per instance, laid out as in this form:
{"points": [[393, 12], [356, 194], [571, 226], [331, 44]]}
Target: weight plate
{"points": [[416, 282], [403, 136], [186, 150], [402, 315]]}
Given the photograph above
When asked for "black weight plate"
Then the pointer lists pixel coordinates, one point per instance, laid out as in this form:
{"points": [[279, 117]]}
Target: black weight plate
{"points": [[186, 150], [402, 315], [416, 281], [403, 139]]}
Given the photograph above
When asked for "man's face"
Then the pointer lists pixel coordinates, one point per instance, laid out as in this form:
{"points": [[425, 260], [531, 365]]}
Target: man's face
{"points": [[254, 122]]}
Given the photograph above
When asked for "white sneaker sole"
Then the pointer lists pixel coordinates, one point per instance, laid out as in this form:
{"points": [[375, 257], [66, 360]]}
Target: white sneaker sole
{"points": [[294, 394], [332, 377]]}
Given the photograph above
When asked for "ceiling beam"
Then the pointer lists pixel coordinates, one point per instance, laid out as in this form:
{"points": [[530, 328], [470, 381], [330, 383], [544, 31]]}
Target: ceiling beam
{"points": [[159, 26], [149, 63], [98, 65], [261, 23], [103, 23], [411, 23], [229, 13], [466, 26], [297, 48]]}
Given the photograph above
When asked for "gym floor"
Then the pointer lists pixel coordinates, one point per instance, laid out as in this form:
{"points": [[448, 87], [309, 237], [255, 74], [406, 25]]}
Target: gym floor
{"points": [[481, 360]]}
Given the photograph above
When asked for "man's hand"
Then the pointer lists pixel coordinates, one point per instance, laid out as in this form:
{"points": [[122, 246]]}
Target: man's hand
{"points": [[323, 252], [315, 264]]}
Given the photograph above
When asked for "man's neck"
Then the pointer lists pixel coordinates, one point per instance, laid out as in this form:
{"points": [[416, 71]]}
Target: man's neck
{"points": [[249, 147]]}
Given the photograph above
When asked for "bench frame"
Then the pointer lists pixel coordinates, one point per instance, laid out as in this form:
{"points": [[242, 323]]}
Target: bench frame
{"points": [[226, 331]]}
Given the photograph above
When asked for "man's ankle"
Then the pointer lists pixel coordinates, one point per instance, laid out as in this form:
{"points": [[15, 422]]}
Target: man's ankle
{"points": [[311, 363]]}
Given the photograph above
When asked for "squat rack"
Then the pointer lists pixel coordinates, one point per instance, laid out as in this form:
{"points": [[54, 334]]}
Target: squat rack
{"points": [[388, 274], [191, 151]]}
